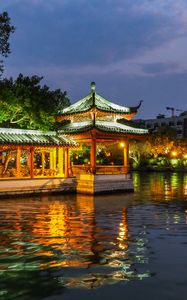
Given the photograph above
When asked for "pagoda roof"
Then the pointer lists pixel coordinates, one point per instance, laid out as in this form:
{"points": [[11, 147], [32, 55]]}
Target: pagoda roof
{"points": [[9, 136], [108, 127], [100, 103]]}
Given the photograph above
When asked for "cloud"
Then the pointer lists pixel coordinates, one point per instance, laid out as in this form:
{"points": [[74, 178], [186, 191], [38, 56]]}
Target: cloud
{"points": [[158, 68], [83, 32], [72, 42]]}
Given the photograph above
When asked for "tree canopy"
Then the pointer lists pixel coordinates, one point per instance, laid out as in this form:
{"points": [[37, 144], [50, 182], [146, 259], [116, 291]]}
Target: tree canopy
{"points": [[25, 103], [5, 30]]}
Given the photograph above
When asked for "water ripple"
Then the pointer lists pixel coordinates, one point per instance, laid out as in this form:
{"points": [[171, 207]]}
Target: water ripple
{"points": [[86, 242]]}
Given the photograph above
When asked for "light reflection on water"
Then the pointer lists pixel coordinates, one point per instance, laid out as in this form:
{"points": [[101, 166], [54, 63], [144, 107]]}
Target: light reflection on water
{"points": [[60, 242]]}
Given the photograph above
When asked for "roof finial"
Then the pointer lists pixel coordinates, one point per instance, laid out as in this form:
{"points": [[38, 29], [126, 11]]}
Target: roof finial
{"points": [[93, 86]]}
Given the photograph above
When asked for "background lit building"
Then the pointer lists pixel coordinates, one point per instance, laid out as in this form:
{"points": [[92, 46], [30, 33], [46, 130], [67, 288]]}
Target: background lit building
{"points": [[179, 123]]}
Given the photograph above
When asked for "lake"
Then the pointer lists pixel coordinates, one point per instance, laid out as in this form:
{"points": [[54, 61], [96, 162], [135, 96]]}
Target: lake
{"points": [[117, 246]]}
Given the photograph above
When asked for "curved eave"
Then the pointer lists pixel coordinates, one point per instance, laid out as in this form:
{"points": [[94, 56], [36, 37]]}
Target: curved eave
{"points": [[110, 107], [115, 112], [68, 116], [126, 115], [106, 127], [118, 132], [117, 128], [74, 131], [83, 105], [99, 108], [135, 108]]}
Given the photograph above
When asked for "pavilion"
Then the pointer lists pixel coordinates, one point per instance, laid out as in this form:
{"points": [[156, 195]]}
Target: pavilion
{"points": [[33, 154], [93, 123]]}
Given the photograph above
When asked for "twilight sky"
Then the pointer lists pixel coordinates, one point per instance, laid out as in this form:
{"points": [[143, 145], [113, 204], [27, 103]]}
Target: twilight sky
{"points": [[132, 49]]}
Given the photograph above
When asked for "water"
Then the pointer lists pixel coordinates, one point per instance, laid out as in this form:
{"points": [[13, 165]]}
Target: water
{"points": [[122, 246]]}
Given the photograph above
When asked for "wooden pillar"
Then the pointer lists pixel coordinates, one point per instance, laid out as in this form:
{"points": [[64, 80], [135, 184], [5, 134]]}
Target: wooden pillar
{"points": [[66, 162], [31, 158], [18, 157], [51, 159], [60, 162], [126, 156], [93, 156], [43, 161], [54, 160]]}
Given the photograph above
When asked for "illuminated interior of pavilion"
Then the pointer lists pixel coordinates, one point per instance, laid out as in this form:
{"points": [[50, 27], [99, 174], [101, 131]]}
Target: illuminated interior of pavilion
{"points": [[90, 141], [33, 154]]}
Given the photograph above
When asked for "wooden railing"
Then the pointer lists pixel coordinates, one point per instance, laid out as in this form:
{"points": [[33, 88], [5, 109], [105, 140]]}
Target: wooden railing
{"points": [[104, 169]]}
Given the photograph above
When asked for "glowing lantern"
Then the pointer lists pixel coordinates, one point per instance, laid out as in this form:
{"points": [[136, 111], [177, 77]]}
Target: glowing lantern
{"points": [[174, 153]]}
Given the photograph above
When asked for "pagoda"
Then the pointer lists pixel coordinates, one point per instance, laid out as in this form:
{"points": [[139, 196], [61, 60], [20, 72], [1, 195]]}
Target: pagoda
{"points": [[93, 122]]}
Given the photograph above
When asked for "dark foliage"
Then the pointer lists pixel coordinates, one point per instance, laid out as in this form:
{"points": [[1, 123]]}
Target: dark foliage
{"points": [[25, 103], [5, 30]]}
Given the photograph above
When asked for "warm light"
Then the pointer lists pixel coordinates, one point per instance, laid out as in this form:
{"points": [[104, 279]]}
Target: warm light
{"points": [[123, 231], [174, 153], [185, 155], [166, 151], [122, 144]]}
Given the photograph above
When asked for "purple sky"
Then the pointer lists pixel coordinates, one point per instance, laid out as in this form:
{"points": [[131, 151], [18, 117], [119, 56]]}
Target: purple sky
{"points": [[132, 49]]}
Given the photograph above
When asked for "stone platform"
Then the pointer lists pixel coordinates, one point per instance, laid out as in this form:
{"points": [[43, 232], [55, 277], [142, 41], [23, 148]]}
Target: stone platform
{"points": [[83, 184], [97, 184], [26, 187]]}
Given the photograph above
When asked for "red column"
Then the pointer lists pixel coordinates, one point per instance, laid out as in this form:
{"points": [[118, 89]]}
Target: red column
{"points": [[93, 156], [31, 162], [43, 162], [67, 162], [18, 156], [126, 156]]}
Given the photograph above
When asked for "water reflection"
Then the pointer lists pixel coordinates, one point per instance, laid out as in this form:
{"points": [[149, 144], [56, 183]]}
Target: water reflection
{"points": [[66, 231], [163, 186], [52, 243]]}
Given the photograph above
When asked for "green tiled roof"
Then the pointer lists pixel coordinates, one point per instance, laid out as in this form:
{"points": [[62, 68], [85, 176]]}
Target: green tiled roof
{"points": [[9, 136], [119, 128], [111, 127], [100, 103]]}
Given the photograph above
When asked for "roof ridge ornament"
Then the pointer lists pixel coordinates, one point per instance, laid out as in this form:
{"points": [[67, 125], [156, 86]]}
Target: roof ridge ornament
{"points": [[93, 86]]}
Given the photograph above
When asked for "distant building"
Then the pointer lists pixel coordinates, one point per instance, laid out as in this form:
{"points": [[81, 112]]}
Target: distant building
{"points": [[177, 122]]}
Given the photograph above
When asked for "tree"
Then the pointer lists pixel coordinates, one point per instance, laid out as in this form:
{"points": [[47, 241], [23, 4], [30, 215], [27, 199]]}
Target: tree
{"points": [[162, 141], [160, 145], [5, 30], [25, 103], [139, 152]]}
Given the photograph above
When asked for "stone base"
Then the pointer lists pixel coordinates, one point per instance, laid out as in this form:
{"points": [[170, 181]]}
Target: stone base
{"points": [[97, 184], [26, 187]]}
